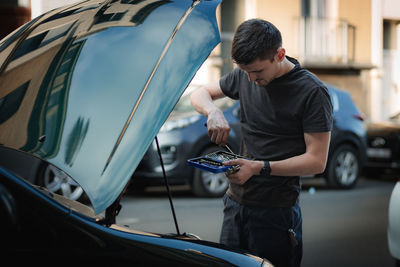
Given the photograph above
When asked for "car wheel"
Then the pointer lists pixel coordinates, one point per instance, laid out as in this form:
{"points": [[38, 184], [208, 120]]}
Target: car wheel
{"points": [[208, 184], [343, 167], [58, 182]]}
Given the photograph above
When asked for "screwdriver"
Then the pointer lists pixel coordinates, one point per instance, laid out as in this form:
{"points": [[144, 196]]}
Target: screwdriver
{"points": [[230, 150], [226, 146]]}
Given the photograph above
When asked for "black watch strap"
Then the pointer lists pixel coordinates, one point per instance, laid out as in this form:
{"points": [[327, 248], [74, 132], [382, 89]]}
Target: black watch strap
{"points": [[266, 170]]}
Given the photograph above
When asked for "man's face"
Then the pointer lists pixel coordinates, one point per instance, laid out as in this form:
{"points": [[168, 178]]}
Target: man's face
{"points": [[262, 72]]}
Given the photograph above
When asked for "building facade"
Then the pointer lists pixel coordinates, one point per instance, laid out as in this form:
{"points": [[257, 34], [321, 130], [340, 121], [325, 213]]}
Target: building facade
{"points": [[352, 44]]}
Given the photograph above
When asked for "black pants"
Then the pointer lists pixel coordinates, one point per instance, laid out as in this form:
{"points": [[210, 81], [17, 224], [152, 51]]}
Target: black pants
{"points": [[264, 232]]}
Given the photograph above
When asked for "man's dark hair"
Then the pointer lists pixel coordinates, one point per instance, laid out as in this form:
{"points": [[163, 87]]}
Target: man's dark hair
{"points": [[255, 39]]}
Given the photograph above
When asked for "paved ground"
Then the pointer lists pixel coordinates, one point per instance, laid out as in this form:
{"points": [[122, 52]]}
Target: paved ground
{"points": [[341, 227]]}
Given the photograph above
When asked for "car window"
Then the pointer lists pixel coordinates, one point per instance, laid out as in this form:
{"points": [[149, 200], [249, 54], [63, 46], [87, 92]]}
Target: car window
{"points": [[335, 101]]}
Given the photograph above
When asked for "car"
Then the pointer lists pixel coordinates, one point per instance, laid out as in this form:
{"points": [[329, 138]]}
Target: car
{"points": [[85, 89], [383, 149], [184, 136], [46, 175], [393, 231], [347, 152]]}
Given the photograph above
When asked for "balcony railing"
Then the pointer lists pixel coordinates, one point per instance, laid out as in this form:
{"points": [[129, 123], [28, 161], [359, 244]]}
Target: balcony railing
{"points": [[325, 41]]}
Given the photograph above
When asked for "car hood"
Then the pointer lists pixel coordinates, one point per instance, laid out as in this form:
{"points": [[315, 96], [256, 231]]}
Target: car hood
{"points": [[87, 87], [383, 128]]}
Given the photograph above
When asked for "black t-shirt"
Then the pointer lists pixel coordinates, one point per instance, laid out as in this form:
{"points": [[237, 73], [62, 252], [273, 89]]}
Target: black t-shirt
{"points": [[273, 120]]}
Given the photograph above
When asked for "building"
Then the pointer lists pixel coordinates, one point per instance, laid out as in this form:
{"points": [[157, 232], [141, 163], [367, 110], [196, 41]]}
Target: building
{"points": [[352, 44]]}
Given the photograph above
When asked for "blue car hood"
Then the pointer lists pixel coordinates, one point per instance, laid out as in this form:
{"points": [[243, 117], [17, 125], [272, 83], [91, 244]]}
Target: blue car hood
{"points": [[87, 87]]}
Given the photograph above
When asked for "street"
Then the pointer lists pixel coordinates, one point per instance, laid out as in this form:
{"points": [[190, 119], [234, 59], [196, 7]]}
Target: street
{"points": [[340, 227]]}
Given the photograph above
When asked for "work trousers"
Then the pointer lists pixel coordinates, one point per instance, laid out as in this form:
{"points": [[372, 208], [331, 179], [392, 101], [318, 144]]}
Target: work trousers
{"points": [[264, 231]]}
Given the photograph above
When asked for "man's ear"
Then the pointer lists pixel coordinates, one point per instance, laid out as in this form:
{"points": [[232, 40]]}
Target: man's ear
{"points": [[281, 54]]}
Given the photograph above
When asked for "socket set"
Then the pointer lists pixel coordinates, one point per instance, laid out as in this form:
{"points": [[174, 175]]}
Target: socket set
{"points": [[212, 162]]}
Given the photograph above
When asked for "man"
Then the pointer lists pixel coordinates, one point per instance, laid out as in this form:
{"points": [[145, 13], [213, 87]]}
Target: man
{"points": [[286, 119]]}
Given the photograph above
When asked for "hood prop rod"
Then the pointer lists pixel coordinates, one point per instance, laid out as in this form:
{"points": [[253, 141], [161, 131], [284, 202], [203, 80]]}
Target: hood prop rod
{"points": [[167, 186]]}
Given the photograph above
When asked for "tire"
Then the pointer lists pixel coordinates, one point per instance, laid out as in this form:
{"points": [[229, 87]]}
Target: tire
{"points": [[58, 182], [208, 184], [343, 168]]}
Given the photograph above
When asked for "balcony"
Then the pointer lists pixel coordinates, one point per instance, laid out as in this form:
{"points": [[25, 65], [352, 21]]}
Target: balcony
{"points": [[325, 43]]}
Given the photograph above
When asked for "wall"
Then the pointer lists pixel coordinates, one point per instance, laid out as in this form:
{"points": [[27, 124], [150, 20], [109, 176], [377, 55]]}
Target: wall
{"points": [[391, 9], [358, 13], [283, 15]]}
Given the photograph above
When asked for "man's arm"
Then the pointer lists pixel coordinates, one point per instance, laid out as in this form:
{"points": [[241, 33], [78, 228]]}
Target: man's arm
{"points": [[313, 161], [202, 98], [202, 101]]}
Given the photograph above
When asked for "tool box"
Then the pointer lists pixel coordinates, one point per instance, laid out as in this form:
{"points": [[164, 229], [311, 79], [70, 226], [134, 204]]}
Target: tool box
{"points": [[212, 162]]}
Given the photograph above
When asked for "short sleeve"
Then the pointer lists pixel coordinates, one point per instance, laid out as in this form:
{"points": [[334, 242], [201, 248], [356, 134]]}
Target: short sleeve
{"points": [[229, 84], [318, 112]]}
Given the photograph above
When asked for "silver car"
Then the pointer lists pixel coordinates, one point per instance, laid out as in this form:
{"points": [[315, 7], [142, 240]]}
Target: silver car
{"points": [[394, 223]]}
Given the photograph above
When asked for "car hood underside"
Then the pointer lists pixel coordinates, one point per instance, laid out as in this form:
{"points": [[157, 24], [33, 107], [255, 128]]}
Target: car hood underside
{"points": [[87, 87]]}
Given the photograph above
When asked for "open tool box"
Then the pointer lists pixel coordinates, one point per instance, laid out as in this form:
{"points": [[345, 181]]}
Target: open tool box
{"points": [[212, 162]]}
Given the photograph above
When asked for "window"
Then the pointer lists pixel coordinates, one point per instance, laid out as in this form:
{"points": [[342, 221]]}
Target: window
{"points": [[10, 104], [32, 43]]}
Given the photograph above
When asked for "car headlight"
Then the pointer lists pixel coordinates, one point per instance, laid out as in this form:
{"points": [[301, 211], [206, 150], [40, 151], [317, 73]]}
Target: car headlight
{"points": [[180, 123]]}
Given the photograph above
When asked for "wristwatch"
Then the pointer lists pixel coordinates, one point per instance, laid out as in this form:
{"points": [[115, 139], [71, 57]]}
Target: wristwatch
{"points": [[266, 170]]}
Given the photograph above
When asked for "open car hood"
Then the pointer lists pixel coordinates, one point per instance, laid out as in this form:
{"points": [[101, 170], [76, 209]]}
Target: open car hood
{"points": [[87, 87]]}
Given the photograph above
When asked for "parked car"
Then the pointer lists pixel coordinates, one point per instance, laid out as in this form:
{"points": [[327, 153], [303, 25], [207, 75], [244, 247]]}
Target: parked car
{"points": [[85, 88], [44, 174], [383, 147], [184, 136], [347, 151], [393, 232]]}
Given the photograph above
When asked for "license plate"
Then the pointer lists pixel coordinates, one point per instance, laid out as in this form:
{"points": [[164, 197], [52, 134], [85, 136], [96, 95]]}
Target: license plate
{"points": [[379, 153]]}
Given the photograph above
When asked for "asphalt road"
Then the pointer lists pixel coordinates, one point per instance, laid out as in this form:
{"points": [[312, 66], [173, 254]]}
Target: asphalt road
{"points": [[340, 227]]}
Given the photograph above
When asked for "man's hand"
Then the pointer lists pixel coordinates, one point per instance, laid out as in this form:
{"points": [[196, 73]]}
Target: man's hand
{"points": [[202, 100], [248, 168], [218, 127]]}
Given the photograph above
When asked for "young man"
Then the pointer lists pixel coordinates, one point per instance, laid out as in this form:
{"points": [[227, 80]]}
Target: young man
{"points": [[286, 119]]}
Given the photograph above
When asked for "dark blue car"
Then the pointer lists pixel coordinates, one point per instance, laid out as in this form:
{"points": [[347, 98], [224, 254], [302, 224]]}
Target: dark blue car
{"points": [[184, 136]]}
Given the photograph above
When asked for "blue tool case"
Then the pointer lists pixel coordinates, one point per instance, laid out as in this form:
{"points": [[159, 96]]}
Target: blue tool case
{"points": [[213, 162]]}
